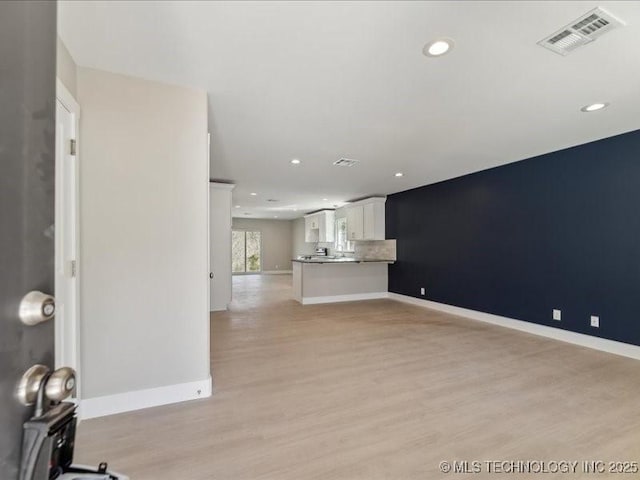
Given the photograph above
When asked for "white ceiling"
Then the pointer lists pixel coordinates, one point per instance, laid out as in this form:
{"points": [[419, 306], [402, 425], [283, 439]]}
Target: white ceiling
{"points": [[322, 80]]}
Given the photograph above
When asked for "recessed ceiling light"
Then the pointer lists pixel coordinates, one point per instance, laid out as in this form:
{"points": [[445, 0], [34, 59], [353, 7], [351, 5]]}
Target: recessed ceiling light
{"points": [[295, 161], [237, 206], [438, 47], [275, 216], [325, 199], [253, 194], [594, 107], [399, 174]]}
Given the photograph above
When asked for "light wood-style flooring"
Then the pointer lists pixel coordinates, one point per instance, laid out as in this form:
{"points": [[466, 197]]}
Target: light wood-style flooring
{"points": [[374, 390]]}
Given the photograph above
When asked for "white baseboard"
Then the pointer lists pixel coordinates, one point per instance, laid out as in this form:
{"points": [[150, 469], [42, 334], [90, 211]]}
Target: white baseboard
{"points": [[277, 272], [139, 399], [354, 297], [597, 343]]}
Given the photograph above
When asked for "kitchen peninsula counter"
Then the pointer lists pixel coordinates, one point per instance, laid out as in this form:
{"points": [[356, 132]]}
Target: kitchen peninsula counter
{"points": [[328, 280], [340, 260]]}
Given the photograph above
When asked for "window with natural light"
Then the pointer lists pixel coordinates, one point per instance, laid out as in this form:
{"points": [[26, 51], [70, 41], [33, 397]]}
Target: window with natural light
{"points": [[246, 251], [342, 244]]}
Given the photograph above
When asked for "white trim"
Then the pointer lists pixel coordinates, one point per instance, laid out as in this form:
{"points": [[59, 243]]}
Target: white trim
{"points": [[69, 355], [222, 186], [277, 272], [206, 317], [66, 98], [367, 200], [354, 297], [210, 267], [139, 399], [596, 343]]}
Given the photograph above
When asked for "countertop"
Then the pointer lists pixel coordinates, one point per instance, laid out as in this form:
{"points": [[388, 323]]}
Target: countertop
{"points": [[340, 260]]}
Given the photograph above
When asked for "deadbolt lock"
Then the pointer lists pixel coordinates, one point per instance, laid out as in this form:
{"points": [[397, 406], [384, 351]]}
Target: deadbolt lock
{"points": [[37, 307]]}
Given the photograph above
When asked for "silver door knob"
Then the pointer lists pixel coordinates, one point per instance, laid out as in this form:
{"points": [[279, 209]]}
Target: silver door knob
{"points": [[38, 384], [30, 384], [37, 307], [61, 384]]}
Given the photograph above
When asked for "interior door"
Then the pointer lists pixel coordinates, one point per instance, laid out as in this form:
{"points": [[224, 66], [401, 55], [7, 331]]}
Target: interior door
{"points": [[27, 159], [220, 245]]}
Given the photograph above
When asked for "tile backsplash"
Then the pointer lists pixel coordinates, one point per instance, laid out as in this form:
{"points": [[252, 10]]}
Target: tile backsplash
{"points": [[375, 249]]}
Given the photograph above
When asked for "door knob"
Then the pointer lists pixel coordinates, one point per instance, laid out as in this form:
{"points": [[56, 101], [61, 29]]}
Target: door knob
{"points": [[61, 384], [36, 307], [210, 274], [30, 384], [38, 384]]}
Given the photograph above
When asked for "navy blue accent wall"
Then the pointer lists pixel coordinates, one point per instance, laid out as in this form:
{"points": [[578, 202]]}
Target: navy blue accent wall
{"points": [[561, 230]]}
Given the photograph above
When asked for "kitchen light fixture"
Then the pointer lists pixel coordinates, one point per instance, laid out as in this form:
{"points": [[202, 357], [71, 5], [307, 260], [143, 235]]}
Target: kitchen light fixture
{"points": [[295, 161], [253, 194], [438, 47], [399, 174], [594, 107]]}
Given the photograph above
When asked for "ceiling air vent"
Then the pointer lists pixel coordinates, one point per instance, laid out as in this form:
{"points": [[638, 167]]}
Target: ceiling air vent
{"points": [[345, 162], [584, 30]]}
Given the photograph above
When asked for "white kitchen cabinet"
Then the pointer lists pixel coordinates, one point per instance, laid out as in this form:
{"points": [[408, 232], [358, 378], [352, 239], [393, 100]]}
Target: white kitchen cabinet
{"points": [[355, 222], [319, 227], [327, 227], [311, 229], [366, 219]]}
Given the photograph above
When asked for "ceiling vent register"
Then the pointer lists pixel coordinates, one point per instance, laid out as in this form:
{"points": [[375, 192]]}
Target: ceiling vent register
{"points": [[581, 31], [345, 162]]}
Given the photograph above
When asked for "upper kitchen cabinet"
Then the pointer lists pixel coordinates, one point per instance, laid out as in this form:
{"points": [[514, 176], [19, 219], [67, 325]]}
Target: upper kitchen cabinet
{"points": [[319, 227], [365, 219]]}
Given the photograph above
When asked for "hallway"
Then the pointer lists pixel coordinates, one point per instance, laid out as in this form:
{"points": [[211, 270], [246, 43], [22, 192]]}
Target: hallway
{"points": [[373, 390]]}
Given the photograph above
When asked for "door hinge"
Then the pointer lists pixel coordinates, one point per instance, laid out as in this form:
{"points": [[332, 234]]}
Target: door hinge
{"points": [[73, 268], [72, 147]]}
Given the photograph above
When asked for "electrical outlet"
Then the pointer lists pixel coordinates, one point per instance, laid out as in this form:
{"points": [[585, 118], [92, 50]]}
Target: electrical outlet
{"points": [[422, 291], [595, 321], [557, 314]]}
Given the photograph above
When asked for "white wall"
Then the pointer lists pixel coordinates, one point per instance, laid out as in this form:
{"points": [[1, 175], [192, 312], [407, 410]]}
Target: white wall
{"points": [[66, 68], [276, 241], [143, 266]]}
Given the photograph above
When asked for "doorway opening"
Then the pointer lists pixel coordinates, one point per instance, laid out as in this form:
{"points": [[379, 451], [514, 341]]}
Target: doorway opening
{"points": [[246, 251]]}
